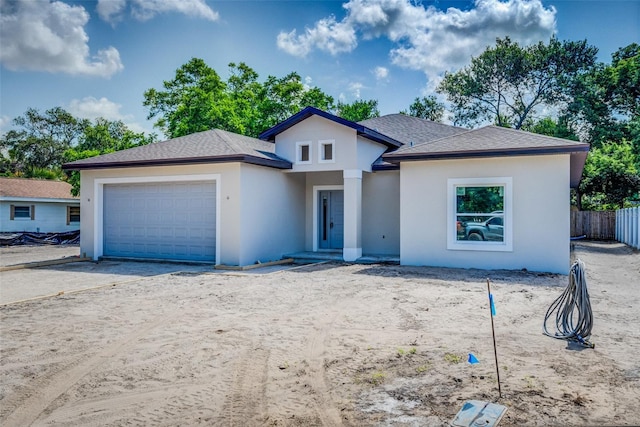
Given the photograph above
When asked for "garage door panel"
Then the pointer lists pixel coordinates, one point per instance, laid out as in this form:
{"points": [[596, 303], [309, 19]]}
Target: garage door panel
{"points": [[160, 220]]}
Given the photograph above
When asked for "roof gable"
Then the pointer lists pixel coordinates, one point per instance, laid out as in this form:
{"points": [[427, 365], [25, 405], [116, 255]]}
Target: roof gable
{"points": [[211, 146], [270, 134], [35, 188]]}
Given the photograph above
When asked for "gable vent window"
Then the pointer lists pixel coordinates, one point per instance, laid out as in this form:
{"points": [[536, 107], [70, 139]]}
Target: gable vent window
{"points": [[327, 154], [304, 153], [303, 150]]}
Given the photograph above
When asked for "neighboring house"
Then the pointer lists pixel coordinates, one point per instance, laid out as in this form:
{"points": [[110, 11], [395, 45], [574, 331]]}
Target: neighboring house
{"points": [[37, 205], [392, 185]]}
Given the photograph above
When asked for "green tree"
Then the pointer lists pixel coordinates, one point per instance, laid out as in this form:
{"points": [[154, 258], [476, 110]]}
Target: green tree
{"points": [[358, 110], [197, 99], [507, 83], [426, 107], [606, 101], [624, 80], [548, 126], [40, 140], [102, 137], [611, 177]]}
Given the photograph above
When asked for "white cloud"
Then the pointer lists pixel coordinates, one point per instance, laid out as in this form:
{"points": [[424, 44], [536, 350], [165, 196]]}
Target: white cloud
{"points": [[381, 73], [4, 122], [50, 36], [328, 35], [308, 81], [427, 39], [113, 10], [355, 89], [92, 108]]}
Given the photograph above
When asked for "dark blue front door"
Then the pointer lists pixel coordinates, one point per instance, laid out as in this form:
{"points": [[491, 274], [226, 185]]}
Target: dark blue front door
{"points": [[331, 223]]}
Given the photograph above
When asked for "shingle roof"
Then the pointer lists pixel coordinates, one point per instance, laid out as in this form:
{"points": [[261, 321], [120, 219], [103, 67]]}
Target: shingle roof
{"points": [[494, 141], [35, 188], [203, 147], [487, 141], [409, 129]]}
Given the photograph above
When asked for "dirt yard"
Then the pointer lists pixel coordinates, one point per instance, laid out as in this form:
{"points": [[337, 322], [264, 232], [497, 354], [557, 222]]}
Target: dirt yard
{"points": [[323, 345]]}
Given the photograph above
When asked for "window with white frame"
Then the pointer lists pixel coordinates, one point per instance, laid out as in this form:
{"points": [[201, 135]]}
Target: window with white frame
{"points": [[303, 152], [326, 151], [480, 214]]}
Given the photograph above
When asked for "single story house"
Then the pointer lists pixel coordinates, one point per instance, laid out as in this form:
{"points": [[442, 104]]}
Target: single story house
{"points": [[433, 194], [37, 206]]}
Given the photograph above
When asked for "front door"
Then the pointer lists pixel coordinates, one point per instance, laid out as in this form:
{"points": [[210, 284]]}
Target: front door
{"points": [[331, 215]]}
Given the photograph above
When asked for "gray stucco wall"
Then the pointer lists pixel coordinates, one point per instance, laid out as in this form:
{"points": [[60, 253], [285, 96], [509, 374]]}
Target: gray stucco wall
{"points": [[540, 205], [313, 130], [381, 213], [273, 214]]}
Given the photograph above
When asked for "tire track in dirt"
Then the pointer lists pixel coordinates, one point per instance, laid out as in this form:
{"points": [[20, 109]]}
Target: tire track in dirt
{"points": [[316, 349], [246, 401], [47, 389]]}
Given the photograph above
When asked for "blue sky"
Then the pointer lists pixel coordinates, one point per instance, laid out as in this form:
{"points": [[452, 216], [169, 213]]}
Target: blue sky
{"points": [[96, 58]]}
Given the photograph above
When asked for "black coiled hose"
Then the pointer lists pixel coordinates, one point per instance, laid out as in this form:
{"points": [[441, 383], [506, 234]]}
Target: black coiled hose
{"points": [[574, 318]]}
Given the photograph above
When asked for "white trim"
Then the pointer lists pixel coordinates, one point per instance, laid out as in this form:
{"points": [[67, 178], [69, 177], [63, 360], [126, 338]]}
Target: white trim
{"points": [[351, 254], [321, 144], [98, 197], [453, 243], [352, 173], [316, 190], [299, 153]]}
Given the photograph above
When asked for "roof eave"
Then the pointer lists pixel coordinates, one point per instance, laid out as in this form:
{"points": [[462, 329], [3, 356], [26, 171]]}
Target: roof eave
{"points": [[385, 167], [273, 163], [400, 157]]}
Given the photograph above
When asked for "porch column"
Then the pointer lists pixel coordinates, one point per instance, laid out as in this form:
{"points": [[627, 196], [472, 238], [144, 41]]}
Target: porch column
{"points": [[352, 214]]}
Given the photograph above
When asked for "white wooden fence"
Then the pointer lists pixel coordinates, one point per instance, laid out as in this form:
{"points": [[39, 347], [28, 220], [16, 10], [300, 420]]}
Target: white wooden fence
{"points": [[628, 226]]}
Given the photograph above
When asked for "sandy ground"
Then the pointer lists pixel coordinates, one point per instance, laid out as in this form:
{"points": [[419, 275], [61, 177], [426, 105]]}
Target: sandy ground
{"points": [[21, 285], [323, 345], [22, 254]]}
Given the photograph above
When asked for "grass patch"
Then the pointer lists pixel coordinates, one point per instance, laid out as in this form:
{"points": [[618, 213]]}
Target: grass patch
{"points": [[452, 358], [422, 368], [377, 378]]}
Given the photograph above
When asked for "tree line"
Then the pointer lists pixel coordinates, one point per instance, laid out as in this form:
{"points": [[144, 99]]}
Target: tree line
{"points": [[555, 88]]}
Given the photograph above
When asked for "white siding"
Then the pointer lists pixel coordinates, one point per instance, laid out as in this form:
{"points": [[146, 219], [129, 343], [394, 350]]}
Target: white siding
{"points": [[381, 213], [540, 213], [50, 217]]}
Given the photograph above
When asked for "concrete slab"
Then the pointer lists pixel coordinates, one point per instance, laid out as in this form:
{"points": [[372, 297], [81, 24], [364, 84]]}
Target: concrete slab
{"points": [[19, 285]]}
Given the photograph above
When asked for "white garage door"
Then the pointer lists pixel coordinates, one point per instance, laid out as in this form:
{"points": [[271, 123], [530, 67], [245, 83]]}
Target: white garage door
{"points": [[165, 220]]}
